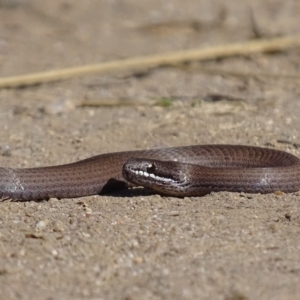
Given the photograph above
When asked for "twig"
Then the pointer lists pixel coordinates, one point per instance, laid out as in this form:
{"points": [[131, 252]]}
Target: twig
{"points": [[262, 45]]}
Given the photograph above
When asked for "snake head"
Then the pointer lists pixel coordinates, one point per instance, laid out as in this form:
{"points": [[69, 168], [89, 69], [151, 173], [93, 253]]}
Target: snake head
{"points": [[165, 177]]}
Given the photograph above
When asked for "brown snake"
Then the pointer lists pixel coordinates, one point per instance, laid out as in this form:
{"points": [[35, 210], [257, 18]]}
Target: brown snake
{"points": [[181, 171]]}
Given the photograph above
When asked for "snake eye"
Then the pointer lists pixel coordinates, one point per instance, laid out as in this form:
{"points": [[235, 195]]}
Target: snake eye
{"points": [[151, 168]]}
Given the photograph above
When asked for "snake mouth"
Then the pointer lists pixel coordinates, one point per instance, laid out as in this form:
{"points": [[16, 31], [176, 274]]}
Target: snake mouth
{"points": [[152, 176], [148, 172]]}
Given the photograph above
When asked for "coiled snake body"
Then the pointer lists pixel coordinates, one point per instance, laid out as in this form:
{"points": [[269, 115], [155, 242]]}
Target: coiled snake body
{"points": [[179, 171]]}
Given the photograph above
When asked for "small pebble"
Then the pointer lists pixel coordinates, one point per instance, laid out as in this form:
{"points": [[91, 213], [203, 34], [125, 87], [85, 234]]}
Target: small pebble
{"points": [[42, 224], [58, 226], [58, 107]]}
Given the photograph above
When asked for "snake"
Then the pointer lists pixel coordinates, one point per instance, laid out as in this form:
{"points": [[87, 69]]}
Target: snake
{"points": [[177, 171]]}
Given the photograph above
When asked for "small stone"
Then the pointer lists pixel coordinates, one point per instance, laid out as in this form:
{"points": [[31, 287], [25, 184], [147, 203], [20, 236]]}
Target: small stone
{"points": [[279, 193], [41, 225], [58, 226], [88, 211], [58, 107], [173, 213], [5, 150]]}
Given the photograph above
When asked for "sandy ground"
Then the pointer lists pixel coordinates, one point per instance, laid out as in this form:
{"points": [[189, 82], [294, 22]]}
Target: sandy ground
{"points": [[133, 245]]}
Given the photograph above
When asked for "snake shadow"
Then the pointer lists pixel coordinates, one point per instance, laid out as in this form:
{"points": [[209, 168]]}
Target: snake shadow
{"points": [[131, 192], [121, 189]]}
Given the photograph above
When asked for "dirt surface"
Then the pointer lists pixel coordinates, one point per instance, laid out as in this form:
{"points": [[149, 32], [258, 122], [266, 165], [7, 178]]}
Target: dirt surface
{"points": [[133, 245]]}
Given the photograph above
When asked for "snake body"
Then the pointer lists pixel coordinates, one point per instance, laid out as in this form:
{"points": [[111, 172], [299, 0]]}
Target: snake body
{"points": [[179, 171]]}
